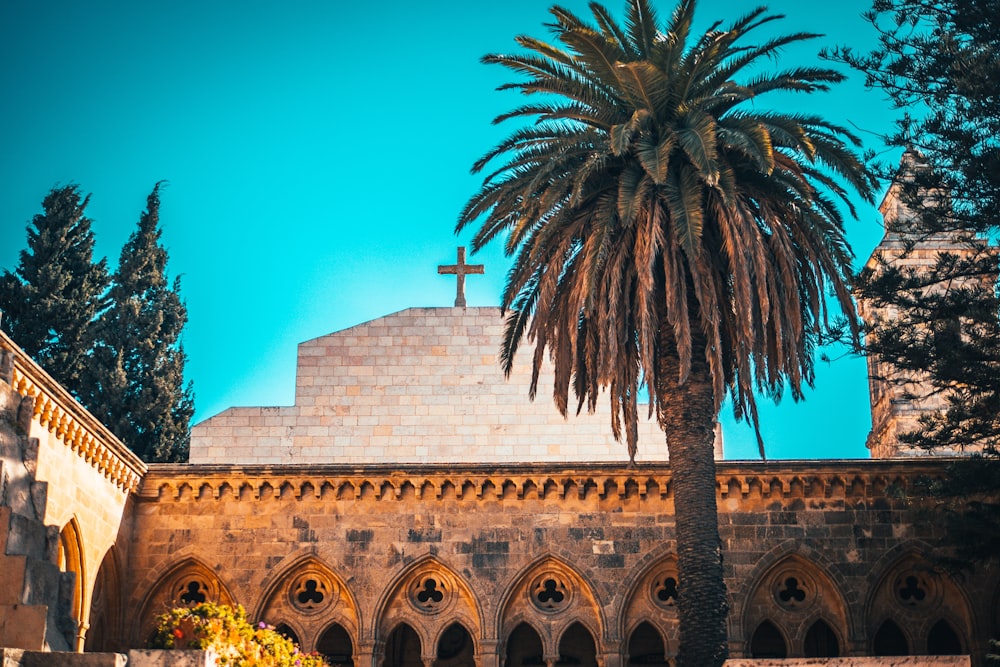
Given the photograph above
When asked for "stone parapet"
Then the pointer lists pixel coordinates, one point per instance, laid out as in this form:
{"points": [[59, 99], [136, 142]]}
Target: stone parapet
{"points": [[62, 415], [22, 658], [886, 661], [806, 479]]}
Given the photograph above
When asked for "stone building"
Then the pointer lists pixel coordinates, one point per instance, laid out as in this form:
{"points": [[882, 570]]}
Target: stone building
{"points": [[413, 508], [899, 399]]}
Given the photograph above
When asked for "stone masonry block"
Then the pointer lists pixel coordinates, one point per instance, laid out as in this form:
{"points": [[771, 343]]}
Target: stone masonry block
{"points": [[12, 579], [160, 658], [889, 661], [23, 626], [67, 659], [26, 536]]}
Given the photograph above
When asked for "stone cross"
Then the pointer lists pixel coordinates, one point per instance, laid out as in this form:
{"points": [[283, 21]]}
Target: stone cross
{"points": [[460, 270]]}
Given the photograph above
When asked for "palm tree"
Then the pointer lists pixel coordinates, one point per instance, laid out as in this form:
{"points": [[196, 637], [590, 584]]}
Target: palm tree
{"points": [[670, 234]]}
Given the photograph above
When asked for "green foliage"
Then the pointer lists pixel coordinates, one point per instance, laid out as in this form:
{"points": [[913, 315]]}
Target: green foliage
{"points": [[113, 343], [235, 640], [135, 379], [940, 63], [50, 301]]}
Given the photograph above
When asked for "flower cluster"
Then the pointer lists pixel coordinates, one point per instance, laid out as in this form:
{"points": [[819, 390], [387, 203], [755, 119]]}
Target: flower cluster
{"points": [[235, 640]]}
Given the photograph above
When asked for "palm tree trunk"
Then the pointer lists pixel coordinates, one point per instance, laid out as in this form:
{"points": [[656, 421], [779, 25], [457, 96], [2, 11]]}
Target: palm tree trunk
{"points": [[687, 415]]}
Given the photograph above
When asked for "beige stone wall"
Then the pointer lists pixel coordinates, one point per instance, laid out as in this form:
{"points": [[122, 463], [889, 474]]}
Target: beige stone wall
{"points": [[421, 385], [80, 475], [371, 537]]}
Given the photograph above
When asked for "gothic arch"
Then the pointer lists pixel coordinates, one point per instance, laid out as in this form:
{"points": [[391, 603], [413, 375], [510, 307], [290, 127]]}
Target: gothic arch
{"points": [[188, 581], [428, 596], [307, 595], [651, 598], [915, 594], [794, 593], [551, 595], [71, 560], [107, 605]]}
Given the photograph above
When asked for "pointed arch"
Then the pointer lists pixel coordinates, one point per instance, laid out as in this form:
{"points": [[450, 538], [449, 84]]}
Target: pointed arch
{"points": [[107, 604], [404, 647], [454, 647], [942, 639], [767, 641], [71, 560], [428, 596], [798, 595], [645, 647], [523, 647], [651, 599], [187, 581], [577, 646], [335, 644], [890, 639], [821, 641], [914, 594], [551, 595], [304, 587]]}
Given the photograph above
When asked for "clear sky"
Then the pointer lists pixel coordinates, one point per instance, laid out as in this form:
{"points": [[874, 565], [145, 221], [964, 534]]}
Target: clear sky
{"points": [[318, 154]]}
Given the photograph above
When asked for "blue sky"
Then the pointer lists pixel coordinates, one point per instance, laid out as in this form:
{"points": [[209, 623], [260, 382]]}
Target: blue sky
{"points": [[317, 155]]}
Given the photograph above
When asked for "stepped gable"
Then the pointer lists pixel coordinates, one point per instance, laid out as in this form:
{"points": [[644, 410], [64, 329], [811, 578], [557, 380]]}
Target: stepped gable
{"points": [[420, 385]]}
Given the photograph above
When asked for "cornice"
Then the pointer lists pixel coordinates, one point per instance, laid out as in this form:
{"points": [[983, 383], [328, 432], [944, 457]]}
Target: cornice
{"points": [[63, 416], [466, 482]]}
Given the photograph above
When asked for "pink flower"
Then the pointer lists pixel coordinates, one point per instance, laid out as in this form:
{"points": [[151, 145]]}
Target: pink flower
{"points": [[262, 625]]}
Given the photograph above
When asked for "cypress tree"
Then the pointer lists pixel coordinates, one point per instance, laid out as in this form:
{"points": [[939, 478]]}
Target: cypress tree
{"points": [[51, 299], [136, 378]]}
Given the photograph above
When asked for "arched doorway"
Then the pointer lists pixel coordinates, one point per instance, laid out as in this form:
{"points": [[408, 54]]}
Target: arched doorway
{"points": [[336, 647], [524, 648], [646, 647], [455, 648], [576, 647], [402, 648]]}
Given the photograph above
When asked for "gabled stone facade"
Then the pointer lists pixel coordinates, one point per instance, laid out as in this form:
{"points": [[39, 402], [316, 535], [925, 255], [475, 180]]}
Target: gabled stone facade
{"points": [[419, 386]]}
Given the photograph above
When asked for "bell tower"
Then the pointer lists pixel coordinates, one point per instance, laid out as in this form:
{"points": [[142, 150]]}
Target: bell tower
{"points": [[899, 399]]}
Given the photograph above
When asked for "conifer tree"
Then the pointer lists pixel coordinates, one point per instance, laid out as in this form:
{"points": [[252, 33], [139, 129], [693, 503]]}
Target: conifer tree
{"points": [[136, 375], [50, 301], [939, 62]]}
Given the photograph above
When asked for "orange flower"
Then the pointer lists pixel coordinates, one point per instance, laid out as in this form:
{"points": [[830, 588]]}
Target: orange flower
{"points": [[178, 633]]}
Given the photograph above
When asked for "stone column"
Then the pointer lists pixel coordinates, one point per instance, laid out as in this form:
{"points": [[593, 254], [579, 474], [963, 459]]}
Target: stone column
{"points": [[81, 636], [612, 655], [488, 655], [370, 654]]}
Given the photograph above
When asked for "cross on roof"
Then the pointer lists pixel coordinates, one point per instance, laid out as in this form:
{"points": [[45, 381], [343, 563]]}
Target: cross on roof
{"points": [[460, 270]]}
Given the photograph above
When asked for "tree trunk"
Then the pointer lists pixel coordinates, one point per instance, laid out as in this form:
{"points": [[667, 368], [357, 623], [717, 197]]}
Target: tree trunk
{"points": [[687, 415]]}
